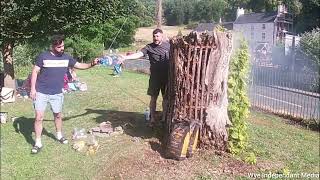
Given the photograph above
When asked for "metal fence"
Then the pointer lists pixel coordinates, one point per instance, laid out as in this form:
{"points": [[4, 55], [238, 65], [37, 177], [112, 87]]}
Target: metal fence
{"points": [[272, 89], [284, 92]]}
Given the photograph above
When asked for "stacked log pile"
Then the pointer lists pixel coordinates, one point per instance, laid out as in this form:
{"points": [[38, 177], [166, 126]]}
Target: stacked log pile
{"points": [[197, 88]]}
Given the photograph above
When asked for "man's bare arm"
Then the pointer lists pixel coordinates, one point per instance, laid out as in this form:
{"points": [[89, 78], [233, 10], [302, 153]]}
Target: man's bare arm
{"points": [[85, 65], [134, 56], [131, 56]]}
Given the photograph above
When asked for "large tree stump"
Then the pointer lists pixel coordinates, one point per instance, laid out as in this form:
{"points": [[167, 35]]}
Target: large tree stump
{"points": [[197, 88]]}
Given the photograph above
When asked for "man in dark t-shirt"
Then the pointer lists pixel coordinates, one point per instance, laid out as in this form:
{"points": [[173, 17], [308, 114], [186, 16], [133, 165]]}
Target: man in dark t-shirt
{"points": [[47, 80], [158, 53]]}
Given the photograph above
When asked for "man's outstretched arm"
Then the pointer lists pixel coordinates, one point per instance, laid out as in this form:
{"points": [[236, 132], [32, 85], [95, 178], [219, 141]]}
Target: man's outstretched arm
{"points": [[85, 65], [131, 56]]}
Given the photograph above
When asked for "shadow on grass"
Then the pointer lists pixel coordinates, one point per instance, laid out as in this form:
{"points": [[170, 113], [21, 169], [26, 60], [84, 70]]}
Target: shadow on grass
{"points": [[132, 122], [133, 125], [25, 126]]}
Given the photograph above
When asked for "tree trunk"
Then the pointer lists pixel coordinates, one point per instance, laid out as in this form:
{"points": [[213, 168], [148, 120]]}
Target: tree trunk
{"points": [[159, 13], [7, 51], [197, 88]]}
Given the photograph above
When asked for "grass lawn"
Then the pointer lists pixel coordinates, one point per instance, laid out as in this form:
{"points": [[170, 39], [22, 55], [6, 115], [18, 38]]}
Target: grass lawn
{"points": [[122, 101]]}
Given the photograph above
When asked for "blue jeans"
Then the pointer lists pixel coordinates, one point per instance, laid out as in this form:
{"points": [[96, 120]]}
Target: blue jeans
{"points": [[56, 102], [117, 69]]}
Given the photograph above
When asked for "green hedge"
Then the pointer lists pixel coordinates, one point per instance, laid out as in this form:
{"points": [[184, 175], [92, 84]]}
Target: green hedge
{"points": [[238, 108]]}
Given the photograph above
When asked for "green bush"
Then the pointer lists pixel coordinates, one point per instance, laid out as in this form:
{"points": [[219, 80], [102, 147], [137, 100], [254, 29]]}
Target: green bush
{"points": [[146, 22], [238, 108], [145, 12], [310, 45], [24, 56], [23, 60], [93, 39], [120, 32], [83, 49]]}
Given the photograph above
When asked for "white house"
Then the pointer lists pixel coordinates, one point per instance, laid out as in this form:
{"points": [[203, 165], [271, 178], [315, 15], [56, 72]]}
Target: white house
{"points": [[265, 30]]}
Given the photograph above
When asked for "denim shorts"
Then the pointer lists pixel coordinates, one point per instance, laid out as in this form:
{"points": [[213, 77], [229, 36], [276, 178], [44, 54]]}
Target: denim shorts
{"points": [[56, 102]]}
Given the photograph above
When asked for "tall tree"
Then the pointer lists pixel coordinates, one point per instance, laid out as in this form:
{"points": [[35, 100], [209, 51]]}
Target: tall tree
{"points": [[159, 13], [210, 10], [179, 12], [309, 17], [261, 5], [169, 13], [21, 20], [146, 12], [188, 11], [232, 6], [175, 12]]}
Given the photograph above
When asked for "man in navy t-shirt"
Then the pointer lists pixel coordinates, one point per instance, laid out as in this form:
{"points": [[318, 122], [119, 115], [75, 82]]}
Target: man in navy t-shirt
{"points": [[47, 84], [158, 53]]}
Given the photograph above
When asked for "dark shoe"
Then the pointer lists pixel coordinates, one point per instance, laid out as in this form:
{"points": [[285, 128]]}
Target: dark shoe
{"points": [[63, 140], [35, 149]]}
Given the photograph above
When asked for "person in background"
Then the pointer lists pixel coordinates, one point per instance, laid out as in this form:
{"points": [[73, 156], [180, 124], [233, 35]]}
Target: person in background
{"points": [[65, 83], [158, 53], [112, 60], [72, 75], [24, 89], [117, 70], [47, 80]]}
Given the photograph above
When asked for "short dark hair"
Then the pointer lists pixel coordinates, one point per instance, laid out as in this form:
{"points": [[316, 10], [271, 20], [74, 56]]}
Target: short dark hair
{"points": [[57, 39], [157, 31]]}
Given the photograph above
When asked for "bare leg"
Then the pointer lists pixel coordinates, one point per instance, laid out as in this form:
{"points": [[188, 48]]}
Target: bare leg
{"points": [[38, 127], [153, 106], [58, 121]]}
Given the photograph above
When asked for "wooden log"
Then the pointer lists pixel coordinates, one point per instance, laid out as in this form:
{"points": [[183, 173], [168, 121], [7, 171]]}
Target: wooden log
{"points": [[203, 88], [187, 82], [193, 72], [198, 82]]}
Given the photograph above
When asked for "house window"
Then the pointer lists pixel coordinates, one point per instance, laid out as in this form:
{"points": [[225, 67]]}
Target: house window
{"points": [[252, 28], [263, 36], [263, 26], [252, 35]]}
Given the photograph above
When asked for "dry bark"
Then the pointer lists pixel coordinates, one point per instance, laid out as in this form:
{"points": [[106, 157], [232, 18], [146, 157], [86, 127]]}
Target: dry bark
{"points": [[197, 88], [159, 13], [7, 51]]}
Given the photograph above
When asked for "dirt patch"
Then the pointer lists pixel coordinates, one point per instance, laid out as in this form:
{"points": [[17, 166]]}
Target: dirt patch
{"points": [[147, 160], [269, 166], [151, 164], [236, 167]]}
